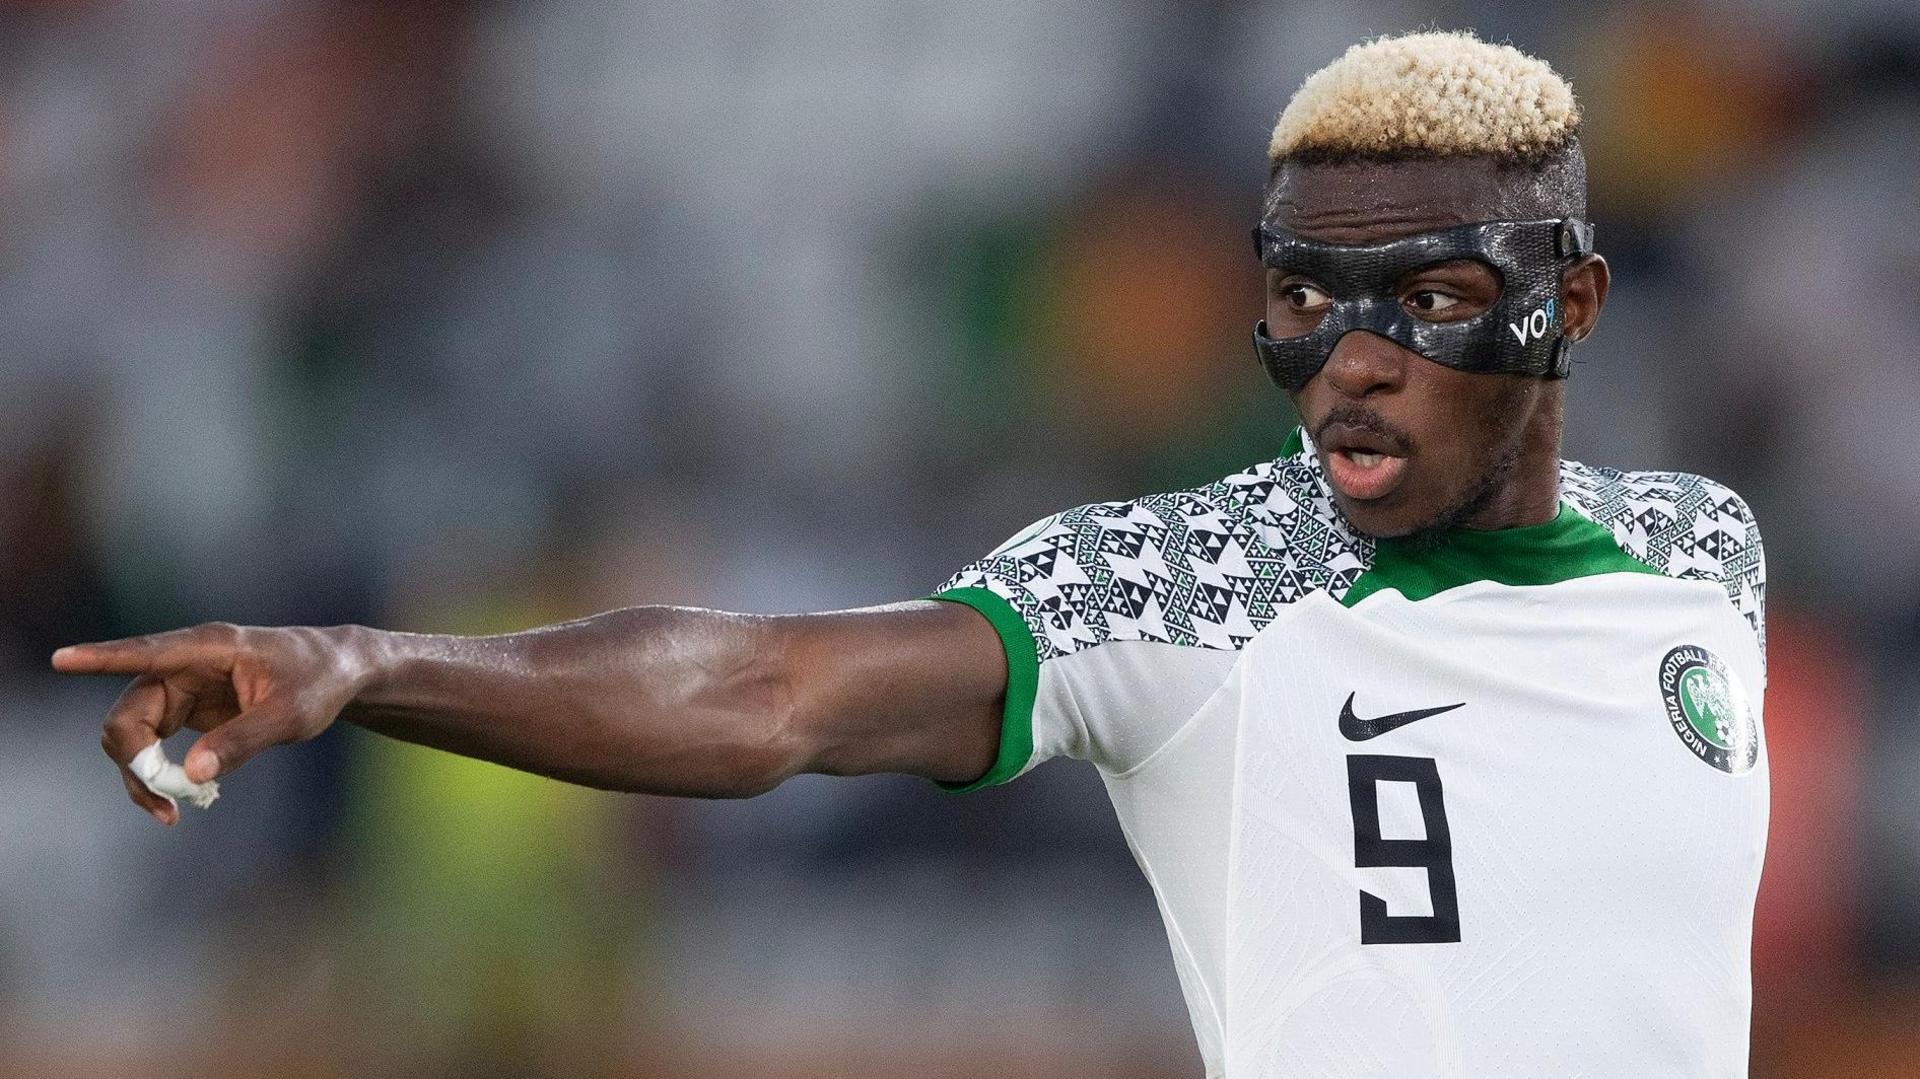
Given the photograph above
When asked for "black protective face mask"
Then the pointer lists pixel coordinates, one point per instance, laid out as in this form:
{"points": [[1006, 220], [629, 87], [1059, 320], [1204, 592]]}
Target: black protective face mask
{"points": [[1519, 334]]}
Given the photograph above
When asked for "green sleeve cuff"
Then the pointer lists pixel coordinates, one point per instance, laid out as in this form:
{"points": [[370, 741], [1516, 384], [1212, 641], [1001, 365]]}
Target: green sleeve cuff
{"points": [[1023, 678]]}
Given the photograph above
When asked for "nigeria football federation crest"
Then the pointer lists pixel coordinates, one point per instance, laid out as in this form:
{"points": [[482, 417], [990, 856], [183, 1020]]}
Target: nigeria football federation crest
{"points": [[1709, 709]]}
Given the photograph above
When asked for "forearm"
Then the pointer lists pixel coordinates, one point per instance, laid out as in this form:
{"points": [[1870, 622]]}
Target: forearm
{"points": [[666, 700], [657, 699]]}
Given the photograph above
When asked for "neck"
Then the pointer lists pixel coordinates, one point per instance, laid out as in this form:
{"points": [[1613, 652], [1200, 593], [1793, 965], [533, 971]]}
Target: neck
{"points": [[1529, 491]]}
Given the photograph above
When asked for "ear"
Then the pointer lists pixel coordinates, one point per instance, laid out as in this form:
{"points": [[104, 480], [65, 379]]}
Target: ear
{"points": [[1583, 288]]}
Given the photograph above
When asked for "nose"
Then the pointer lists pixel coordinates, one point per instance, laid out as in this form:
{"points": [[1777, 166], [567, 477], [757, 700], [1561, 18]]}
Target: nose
{"points": [[1364, 363]]}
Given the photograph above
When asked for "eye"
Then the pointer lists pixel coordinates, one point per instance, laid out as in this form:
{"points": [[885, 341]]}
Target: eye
{"points": [[1431, 301], [1302, 296]]}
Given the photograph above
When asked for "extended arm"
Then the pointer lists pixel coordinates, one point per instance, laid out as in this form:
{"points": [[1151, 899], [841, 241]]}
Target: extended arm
{"points": [[659, 699]]}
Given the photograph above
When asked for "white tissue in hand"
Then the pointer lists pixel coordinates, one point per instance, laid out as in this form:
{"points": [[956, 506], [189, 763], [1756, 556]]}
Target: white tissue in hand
{"points": [[169, 780]]}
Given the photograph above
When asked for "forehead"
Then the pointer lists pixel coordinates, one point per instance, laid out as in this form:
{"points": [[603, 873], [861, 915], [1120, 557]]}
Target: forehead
{"points": [[1368, 202]]}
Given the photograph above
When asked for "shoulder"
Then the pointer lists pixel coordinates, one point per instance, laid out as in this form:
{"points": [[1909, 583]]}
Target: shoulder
{"points": [[1206, 567], [1686, 526]]}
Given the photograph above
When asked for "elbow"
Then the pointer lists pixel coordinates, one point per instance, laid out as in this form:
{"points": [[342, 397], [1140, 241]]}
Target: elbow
{"points": [[756, 710], [749, 783], [743, 758], [705, 704], [762, 757]]}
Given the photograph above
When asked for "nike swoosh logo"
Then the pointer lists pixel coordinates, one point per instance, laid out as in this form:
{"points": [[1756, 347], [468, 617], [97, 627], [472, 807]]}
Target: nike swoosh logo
{"points": [[1359, 730]]}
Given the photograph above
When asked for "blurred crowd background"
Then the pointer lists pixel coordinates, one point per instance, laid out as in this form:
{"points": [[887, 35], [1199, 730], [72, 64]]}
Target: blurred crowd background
{"points": [[471, 316]]}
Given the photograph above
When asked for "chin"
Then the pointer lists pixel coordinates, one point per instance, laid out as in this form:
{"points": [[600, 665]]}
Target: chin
{"points": [[1383, 519], [1374, 521]]}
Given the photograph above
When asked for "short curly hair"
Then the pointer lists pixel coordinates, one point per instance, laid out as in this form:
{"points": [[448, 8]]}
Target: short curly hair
{"points": [[1429, 94]]}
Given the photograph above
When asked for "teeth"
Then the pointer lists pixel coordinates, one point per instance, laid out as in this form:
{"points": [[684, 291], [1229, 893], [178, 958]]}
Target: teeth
{"points": [[1364, 459]]}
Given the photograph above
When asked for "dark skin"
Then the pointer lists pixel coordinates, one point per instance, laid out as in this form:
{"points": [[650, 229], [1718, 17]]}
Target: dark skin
{"points": [[663, 700], [1506, 474], [710, 704]]}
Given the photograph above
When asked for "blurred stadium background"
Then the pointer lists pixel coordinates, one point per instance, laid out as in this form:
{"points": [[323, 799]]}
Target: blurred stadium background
{"points": [[470, 316]]}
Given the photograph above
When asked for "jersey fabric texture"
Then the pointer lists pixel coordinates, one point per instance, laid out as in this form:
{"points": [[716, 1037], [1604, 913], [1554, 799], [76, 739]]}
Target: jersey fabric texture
{"points": [[1493, 806]]}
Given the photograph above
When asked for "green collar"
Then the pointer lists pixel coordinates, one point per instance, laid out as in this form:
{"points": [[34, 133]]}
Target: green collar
{"points": [[1569, 546], [1562, 549]]}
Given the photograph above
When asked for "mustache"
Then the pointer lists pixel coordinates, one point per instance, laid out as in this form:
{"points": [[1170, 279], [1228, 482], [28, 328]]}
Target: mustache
{"points": [[1361, 418]]}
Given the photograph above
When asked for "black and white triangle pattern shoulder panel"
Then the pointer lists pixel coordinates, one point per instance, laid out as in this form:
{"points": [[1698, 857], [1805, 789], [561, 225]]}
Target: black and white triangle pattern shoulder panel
{"points": [[1685, 526], [1207, 567]]}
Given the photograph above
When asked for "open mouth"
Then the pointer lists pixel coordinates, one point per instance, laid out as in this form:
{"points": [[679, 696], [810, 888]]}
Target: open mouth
{"points": [[1364, 465]]}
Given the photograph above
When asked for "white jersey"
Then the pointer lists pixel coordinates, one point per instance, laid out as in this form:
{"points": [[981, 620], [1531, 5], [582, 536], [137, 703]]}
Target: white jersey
{"points": [[1492, 807]]}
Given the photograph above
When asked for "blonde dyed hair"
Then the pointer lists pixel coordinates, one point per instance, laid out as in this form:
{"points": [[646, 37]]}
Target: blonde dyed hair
{"points": [[1432, 94]]}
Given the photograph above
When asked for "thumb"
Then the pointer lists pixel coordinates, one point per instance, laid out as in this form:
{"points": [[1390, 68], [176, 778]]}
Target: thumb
{"points": [[270, 723]]}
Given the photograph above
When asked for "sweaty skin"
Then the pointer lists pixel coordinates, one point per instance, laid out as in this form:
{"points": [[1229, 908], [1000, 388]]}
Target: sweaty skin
{"points": [[1458, 448], [665, 700], [693, 702]]}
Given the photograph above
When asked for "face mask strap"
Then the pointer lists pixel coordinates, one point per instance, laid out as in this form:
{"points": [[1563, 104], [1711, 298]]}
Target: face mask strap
{"points": [[1572, 240]]}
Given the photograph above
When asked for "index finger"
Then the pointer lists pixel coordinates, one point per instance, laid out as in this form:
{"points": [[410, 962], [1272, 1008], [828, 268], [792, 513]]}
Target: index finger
{"points": [[153, 653]]}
